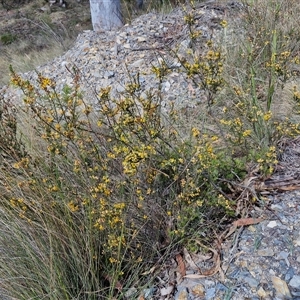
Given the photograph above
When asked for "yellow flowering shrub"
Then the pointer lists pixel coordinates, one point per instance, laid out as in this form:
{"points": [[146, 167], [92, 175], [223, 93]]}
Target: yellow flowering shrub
{"points": [[119, 184]]}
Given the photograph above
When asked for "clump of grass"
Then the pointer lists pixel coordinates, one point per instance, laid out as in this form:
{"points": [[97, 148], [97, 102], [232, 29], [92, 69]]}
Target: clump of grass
{"points": [[28, 62], [259, 66], [7, 38], [103, 193], [133, 8]]}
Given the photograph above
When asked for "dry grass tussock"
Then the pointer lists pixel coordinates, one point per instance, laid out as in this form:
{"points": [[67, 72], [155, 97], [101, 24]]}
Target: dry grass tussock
{"points": [[28, 62], [117, 191]]}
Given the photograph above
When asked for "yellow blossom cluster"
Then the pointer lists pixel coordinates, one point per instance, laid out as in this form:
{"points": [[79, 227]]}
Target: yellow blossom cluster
{"points": [[207, 69], [267, 163]]}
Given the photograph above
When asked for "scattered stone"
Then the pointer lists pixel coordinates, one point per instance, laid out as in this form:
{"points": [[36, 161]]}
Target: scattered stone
{"points": [[141, 39], [138, 63], [167, 291], [296, 294], [210, 293], [182, 294], [127, 46], [265, 252], [289, 274], [251, 228], [297, 242], [148, 293], [295, 282], [109, 74], [198, 290], [131, 291], [253, 283], [262, 293], [276, 207], [281, 288], [283, 255], [272, 224]]}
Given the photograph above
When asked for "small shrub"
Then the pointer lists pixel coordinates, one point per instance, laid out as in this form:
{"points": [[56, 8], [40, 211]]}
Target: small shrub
{"points": [[7, 38], [117, 187]]}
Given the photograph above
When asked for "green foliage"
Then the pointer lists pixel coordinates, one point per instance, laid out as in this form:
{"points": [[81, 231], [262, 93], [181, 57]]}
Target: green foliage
{"points": [[7, 38], [13, 4], [263, 64]]}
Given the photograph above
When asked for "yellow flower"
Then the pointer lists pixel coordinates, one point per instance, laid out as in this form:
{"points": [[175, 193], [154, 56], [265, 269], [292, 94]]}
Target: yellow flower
{"points": [[238, 122], [272, 148], [104, 92], [267, 116], [54, 188], [247, 133], [113, 260], [57, 126], [73, 207], [226, 122], [285, 54], [120, 205], [195, 132], [23, 163], [237, 91], [223, 23]]}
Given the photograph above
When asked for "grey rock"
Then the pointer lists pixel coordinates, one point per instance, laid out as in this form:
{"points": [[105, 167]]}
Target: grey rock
{"points": [[253, 283], [109, 74], [131, 291], [182, 294], [276, 207], [295, 294], [289, 274], [234, 274], [120, 88], [221, 287], [97, 74], [127, 46], [138, 63], [148, 293], [142, 80], [265, 252], [297, 241], [295, 282], [210, 293], [141, 39]]}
